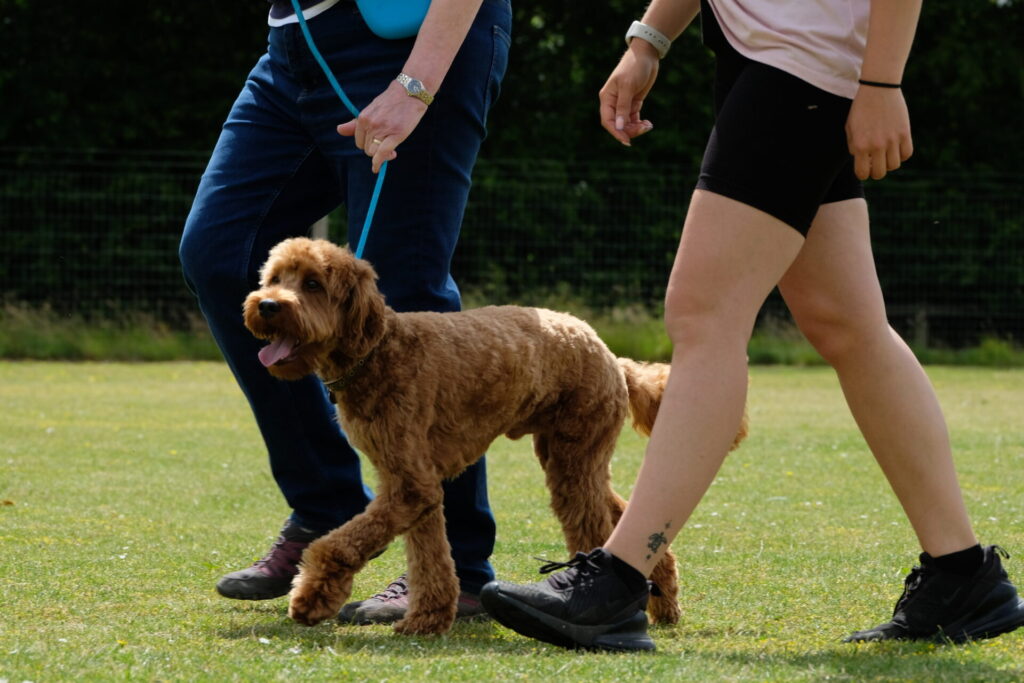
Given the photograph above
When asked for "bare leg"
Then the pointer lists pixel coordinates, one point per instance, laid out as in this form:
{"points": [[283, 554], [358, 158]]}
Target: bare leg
{"points": [[833, 292], [582, 498], [730, 257]]}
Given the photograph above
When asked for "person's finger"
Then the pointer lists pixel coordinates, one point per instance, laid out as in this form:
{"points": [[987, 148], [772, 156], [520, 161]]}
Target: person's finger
{"points": [[861, 164], [373, 146], [363, 135], [348, 129], [384, 151], [878, 163], [624, 109], [892, 157], [906, 148], [635, 129], [608, 98]]}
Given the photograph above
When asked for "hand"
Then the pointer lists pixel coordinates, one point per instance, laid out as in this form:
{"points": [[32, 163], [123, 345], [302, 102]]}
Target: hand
{"points": [[384, 123], [624, 93], [878, 131]]}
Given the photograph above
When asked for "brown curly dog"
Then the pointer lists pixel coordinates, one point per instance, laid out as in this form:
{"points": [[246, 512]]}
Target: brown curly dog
{"points": [[423, 395]]}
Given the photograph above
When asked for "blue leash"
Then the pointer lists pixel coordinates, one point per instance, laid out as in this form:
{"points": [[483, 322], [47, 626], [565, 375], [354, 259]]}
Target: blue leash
{"points": [[355, 113]]}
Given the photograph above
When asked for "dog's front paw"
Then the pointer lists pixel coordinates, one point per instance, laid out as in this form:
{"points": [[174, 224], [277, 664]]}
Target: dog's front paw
{"points": [[424, 624], [314, 599]]}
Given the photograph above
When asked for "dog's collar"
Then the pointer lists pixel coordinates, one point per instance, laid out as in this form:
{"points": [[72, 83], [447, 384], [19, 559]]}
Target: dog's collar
{"points": [[337, 385]]}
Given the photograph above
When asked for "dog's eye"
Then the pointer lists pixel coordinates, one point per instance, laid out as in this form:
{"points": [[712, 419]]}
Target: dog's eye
{"points": [[275, 280], [311, 285]]}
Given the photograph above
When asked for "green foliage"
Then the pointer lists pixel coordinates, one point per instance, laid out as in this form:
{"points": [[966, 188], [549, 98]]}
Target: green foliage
{"points": [[129, 75], [126, 490], [556, 202], [43, 334], [630, 331]]}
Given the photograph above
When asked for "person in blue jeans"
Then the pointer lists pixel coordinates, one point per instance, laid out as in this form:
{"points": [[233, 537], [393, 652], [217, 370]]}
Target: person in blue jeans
{"points": [[281, 163]]}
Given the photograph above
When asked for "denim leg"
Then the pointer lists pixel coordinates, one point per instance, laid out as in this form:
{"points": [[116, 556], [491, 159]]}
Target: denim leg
{"points": [[266, 181], [278, 167], [419, 215]]}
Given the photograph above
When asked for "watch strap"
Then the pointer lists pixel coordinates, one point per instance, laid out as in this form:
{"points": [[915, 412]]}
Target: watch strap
{"points": [[652, 35], [414, 88]]}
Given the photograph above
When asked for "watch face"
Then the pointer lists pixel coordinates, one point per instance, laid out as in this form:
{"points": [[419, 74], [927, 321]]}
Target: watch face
{"points": [[414, 87]]}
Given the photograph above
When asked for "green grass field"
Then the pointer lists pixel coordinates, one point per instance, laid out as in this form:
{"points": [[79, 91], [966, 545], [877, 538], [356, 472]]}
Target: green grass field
{"points": [[126, 490]]}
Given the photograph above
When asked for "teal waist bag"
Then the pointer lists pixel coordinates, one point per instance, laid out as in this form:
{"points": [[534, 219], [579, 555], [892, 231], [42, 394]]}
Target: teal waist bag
{"points": [[393, 19]]}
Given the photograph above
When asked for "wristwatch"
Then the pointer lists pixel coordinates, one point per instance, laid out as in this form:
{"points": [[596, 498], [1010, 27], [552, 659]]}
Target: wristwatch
{"points": [[414, 88]]}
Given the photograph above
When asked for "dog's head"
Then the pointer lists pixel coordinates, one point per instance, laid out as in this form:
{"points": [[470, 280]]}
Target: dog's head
{"points": [[315, 300]]}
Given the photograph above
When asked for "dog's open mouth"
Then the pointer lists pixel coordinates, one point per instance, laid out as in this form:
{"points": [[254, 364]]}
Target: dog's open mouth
{"points": [[279, 351]]}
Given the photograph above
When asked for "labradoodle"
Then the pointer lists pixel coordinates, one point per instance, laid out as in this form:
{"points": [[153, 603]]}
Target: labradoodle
{"points": [[423, 395]]}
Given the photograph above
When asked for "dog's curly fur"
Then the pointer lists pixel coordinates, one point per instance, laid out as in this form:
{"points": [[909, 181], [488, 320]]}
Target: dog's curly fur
{"points": [[423, 395]]}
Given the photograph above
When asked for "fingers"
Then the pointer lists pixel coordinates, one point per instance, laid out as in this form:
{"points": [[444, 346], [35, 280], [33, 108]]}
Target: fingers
{"points": [[621, 117], [381, 151], [878, 132], [348, 129], [875, 160], [610, 116]]}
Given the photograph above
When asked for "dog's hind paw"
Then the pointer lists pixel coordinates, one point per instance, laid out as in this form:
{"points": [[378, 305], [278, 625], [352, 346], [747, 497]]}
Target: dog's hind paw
{"points": [[664, 610]]}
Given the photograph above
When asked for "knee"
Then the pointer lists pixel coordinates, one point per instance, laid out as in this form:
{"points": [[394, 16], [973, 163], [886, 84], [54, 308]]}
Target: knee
{"points": [[191, 253], [839, 335], [207, 269], [695, 317]]}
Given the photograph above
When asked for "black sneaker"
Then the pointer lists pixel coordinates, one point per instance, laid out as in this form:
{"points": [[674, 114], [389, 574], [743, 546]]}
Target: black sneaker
{"points": [[941, 606], [271, 576], [392, 603], [597, 602]]}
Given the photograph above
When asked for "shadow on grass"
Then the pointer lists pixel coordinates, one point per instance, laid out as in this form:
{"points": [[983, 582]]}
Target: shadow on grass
{"points": [[875, 661], [870, 661]]}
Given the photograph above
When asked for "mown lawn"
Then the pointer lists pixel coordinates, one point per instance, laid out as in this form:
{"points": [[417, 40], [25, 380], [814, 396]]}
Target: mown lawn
{"points": [[126, 490]]}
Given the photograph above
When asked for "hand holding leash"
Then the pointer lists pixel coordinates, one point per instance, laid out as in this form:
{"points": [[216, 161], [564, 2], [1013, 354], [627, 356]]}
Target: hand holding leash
{"points": [[384, 124]]}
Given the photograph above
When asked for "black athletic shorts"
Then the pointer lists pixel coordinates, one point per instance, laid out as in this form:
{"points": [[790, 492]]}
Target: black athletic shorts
{"points": [[779, 143]]}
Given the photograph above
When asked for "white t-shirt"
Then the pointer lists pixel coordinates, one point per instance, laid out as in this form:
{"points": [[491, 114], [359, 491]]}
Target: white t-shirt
{"points": [[818, 41]]}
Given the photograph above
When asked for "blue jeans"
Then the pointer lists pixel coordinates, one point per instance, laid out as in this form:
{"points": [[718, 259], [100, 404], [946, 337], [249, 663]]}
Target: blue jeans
{"points": [[280, 165]]}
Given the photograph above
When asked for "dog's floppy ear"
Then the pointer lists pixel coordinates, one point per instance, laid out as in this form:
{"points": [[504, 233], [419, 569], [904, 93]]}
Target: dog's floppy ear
{"points": [[361, 304]]}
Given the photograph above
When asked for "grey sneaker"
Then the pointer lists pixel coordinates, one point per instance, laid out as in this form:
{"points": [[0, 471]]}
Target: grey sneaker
{"points": [[941, 606], [270, 576], [391, 604]]}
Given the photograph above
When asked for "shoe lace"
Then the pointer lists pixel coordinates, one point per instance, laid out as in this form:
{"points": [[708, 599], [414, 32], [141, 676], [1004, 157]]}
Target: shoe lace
{"points": [[575, 569], [284, 553], [395, 589], [910, 584]]}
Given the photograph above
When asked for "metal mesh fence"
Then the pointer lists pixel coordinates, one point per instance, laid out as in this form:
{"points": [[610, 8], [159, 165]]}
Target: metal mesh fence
{"points": [[96, 233]]}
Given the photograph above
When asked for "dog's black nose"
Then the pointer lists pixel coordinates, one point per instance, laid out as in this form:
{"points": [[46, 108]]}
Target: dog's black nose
{"points": [[269, 307]]}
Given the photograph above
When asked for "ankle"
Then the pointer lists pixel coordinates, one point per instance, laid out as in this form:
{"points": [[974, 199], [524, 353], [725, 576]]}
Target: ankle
{"points": [[964, 562], [633, 578]]}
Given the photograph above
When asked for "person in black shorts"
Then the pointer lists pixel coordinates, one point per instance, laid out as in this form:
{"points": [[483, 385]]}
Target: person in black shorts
{"points": [[779, 203]]}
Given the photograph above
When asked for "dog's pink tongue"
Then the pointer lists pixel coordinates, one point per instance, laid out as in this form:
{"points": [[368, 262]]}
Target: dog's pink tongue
{"points": [[276, 350]]}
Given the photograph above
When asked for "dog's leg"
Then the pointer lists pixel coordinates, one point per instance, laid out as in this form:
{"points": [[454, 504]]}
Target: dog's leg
{"points": [[324, 581], [579, 478], [577, 474], [433, 586]]}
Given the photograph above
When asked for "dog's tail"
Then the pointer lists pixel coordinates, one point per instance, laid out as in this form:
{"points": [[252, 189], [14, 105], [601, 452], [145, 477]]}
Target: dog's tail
{"points": [[646, 383]]}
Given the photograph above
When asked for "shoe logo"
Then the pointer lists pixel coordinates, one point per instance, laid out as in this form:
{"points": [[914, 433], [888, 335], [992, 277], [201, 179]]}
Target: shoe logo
{"points": [[946, 602]]}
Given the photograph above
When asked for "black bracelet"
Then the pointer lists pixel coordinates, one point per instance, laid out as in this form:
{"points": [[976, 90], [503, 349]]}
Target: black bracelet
{"points": [[877, 84]]}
